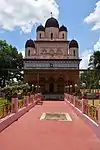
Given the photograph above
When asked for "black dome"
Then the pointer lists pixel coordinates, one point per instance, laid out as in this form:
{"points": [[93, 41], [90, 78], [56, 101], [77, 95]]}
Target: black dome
{"points": [[30, 43], [63, 28], [40, 28], [73, 43], [51, 22]]}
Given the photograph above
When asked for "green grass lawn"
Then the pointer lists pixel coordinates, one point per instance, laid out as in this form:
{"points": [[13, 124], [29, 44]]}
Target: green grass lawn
{"points": [[96, 102]]}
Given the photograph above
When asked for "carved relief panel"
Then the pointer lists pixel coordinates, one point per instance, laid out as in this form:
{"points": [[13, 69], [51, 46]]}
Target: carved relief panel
{"points": [[56, 50]]}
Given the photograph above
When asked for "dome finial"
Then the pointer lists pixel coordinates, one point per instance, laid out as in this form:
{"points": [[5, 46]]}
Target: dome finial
{"points": [[51, 14]]}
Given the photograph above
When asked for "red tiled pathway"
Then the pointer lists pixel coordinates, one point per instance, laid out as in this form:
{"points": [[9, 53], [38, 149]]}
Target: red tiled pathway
{"points": [[29, 133]]}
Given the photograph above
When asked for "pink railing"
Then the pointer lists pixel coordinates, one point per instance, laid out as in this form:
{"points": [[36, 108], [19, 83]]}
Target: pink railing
{"points": [[16, 104], [82, 104]]}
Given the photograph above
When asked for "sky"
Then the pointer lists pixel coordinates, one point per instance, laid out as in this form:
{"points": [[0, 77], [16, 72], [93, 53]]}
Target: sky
{"points": [[19, 19]]}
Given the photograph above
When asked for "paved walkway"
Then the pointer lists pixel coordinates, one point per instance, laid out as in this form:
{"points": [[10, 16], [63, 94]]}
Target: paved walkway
{"points": [[29, 133]]}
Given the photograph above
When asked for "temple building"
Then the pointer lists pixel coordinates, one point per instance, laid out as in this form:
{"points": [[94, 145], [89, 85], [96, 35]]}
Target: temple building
{"points": [[51, 61]]}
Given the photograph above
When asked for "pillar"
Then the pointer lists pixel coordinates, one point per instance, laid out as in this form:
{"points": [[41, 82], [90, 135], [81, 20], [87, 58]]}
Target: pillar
{"points": [[84, 104], [32, 98], [14, 105], [99, 115], [55, 87], [25, 101], [38, 82], [47, 87], [74, 100]]}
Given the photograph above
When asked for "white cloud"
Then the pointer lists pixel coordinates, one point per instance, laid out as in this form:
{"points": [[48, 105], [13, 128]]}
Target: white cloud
{"points": [[97, 45], [26, 13], [94, 17], [85, 56]]}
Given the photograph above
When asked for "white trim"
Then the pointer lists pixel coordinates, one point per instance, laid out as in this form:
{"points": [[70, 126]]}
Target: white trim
{"points": [[43, 116], [78, 110], [68, 117], [90, 119]]}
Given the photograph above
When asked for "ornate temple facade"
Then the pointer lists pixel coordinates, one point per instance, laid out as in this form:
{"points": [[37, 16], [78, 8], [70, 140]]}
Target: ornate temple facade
{"points": [[51, 61]]}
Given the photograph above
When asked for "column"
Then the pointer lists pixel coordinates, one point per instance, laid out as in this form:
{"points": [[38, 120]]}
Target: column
{"points": [[14, 105], [46, 84], [38, 82], [47, 87], [99, 115], [55, 87]]}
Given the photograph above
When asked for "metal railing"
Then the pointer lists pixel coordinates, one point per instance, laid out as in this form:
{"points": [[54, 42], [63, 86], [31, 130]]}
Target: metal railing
{"points": [[92, 112], [5, 110], [78, 103], [20, 104]]}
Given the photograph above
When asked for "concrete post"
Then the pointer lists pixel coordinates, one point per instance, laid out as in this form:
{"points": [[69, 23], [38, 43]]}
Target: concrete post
{"points": [[14, 105], [84, 103], [35, 97], [28, 100], [99, 115], [74, 100], [25, 101], [31, 98]]}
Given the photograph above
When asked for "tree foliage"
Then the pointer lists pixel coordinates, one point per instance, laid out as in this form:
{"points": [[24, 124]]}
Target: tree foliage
{"points": [[9, 59], [94, 61], [90, 77]]}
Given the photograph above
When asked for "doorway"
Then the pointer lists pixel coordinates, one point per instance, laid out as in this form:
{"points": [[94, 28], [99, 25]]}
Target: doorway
{"points": [[51, 87]]}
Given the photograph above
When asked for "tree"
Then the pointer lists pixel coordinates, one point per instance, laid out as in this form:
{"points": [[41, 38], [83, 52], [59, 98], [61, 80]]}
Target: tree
{"points": [[94, 61], [92, 77], [10, 59]]}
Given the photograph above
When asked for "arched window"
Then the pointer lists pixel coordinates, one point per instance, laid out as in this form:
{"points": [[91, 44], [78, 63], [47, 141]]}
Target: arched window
{"points": [[29, 52], [63, 35], [74, 52], [40, 35], [51, 35]]}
